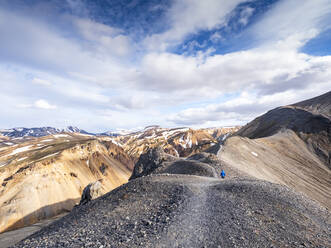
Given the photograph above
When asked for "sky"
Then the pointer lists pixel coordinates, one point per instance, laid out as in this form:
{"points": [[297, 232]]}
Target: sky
{"points": [[106, 65]]}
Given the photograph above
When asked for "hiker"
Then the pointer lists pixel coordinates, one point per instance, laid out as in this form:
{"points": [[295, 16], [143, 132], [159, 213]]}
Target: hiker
{"points": [[222, 173]]}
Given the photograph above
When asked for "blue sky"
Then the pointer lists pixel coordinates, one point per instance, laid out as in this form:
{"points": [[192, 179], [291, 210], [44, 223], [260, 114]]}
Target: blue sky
{"points": [[125, 64]]}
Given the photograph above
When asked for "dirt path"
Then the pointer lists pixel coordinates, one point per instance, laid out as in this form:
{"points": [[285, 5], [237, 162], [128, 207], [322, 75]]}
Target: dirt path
{"points": [[190, 227]]}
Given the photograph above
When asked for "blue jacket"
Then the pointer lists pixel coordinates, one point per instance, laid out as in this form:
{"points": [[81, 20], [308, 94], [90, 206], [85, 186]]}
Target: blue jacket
{"points": [[222, 174]]}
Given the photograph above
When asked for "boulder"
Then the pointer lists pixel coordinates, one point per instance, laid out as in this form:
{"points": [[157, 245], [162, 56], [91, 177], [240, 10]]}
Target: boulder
{"points": [[150, 161], [156, 161], [187, 167], [91, 191]]}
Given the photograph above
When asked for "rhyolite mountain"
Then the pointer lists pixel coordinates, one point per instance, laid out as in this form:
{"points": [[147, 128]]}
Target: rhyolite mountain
{"points": [[290, 145], [276, 193], [179, 142], [41, 177]]}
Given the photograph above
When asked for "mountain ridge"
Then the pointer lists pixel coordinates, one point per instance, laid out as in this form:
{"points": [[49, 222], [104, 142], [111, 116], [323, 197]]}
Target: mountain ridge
{"points": [[290, 145], [275, 193]]}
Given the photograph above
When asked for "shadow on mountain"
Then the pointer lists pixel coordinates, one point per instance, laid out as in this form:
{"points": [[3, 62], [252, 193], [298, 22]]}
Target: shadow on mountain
{"points": [[45, 212], [298, 120]]}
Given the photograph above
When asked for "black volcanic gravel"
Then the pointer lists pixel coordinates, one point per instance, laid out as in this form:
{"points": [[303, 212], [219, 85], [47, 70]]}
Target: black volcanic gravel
{"points": [[191, 211]]}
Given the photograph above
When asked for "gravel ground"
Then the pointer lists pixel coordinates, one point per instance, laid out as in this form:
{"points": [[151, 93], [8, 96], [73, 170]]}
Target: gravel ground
{"points": [[7, 239], [191, 211]]}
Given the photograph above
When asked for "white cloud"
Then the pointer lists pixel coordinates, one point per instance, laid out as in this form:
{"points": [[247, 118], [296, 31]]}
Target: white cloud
{"points": [[106, 39], [247, 70], [216, 37], [275, 73], [293, 18], [245, 14], [242, 109], [92, 74], [41, 81], [188, 17], [40, 104], [34, 44], [43, 104], [77, 6]]}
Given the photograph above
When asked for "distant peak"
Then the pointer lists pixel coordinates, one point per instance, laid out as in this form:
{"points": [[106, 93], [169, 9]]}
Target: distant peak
{"points": [[152, 127], [71, 129]]}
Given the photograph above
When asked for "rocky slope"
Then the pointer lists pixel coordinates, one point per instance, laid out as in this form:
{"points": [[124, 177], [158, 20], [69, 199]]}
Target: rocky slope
{"points": [[319, 105], [42, 177], [281, 158], [156, 161], [171, 210], [290, 145], [179, 142]]}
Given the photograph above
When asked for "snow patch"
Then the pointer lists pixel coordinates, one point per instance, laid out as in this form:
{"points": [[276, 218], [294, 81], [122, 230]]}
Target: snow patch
{"points": [[225, 136], [19, 150], [9, 143], [50, 155], [83, 134], [116, 143], [4, 163], [168, 133], [60, 135], [189, 142], [20, 159], [255, 154], [6, 130], [46, 140]]}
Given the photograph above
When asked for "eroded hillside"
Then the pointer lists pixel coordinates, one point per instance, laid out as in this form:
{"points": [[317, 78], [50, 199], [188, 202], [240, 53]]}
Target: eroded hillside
{"points": [[290, 145], [179, 142], [42, 177]]}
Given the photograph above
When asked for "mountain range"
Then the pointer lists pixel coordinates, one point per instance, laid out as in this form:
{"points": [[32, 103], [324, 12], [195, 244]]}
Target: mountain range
{"points": [[44, 131], [64, 162], [276, 192]]}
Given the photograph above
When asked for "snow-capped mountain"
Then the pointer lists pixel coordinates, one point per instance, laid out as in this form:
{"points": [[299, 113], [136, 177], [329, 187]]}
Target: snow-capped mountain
{"points": [[71, 129], [23, 132], [19, 132], [38, 131]]}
